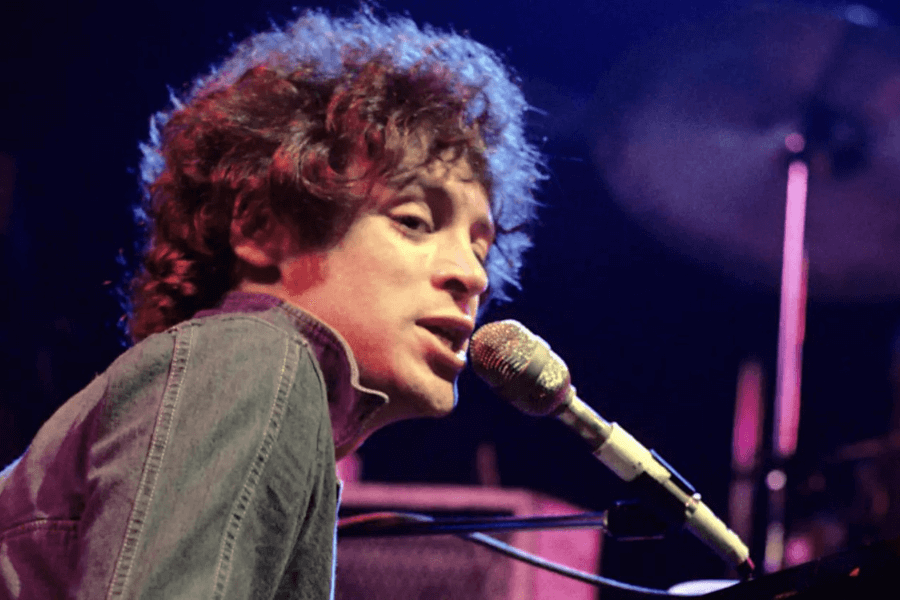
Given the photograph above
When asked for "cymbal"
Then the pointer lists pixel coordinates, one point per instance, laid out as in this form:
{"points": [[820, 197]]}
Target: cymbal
{"points": [[691, 141]]}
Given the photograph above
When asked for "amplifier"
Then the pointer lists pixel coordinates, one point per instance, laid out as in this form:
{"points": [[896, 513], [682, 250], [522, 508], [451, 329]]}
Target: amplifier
{"points": [[445, 567]]}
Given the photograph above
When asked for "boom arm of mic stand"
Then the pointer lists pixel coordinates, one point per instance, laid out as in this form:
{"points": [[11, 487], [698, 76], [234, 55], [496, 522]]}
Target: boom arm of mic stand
{"points": [[403, 524], [626, 521]]}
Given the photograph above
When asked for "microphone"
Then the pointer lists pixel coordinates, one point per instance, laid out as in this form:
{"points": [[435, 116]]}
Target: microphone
{"points": [[522, 369]]}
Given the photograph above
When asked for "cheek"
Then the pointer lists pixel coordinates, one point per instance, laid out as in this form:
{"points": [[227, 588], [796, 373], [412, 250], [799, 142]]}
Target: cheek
{"points": [[381, 276], [389, 268]]}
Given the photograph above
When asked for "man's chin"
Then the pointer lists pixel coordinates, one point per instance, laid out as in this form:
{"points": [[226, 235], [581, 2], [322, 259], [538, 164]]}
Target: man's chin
{"points": [[440, 406], [438, 400], [417, 396]]}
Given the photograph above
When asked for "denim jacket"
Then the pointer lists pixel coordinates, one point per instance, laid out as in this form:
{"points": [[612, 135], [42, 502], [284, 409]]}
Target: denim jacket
{"points": [[200, 464]]}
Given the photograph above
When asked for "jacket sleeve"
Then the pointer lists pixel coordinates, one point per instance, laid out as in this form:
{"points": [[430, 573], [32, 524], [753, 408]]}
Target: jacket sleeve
{"points": [[220, 484]]}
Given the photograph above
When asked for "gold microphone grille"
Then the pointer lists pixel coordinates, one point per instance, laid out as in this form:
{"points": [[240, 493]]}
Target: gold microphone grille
{"points": [[520, 367], [501, 350]]}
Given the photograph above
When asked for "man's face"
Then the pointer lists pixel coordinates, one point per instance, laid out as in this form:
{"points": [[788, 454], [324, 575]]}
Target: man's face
{"points": [[403, 285]]}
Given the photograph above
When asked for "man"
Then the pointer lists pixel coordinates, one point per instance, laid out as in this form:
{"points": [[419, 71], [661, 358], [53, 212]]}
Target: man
{"points": [[324, 213]]}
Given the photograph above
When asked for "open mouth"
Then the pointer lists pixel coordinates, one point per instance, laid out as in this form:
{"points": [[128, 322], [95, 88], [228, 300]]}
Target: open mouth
{"points": [[452, 336]]}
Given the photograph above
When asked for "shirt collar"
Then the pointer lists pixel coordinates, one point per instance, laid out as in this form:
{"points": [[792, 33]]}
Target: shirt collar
{"points": [[349, 403]]}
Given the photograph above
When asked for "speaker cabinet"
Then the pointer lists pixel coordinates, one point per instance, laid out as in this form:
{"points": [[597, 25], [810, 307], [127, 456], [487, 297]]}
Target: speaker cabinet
{"points": [[446, 567]]}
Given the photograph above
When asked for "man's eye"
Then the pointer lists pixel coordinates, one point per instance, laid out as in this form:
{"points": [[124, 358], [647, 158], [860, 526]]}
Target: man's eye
{"points": [[413, 223], [482, 254], [482, 258]]}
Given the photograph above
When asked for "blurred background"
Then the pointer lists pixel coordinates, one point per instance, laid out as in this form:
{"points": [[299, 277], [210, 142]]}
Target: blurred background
{"points": [[634, 279]]}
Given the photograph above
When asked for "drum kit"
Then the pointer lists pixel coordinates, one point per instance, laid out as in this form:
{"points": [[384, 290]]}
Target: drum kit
{"points": [[766, 143]]}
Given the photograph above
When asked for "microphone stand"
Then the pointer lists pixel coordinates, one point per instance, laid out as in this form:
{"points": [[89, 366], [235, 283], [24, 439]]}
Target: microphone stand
{"points": [[625, 521], [380, 524]]}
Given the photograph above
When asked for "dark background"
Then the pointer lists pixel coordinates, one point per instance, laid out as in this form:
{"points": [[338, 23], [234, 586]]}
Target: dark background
{"points": [[653, 338]]}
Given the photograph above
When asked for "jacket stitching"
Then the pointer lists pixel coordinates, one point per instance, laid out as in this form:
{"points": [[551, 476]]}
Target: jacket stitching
{"points": [[251, 481], [50, 524], [152, 465]]}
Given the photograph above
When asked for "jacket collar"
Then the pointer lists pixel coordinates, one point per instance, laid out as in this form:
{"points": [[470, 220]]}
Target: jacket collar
{"points": [[349, 403]]}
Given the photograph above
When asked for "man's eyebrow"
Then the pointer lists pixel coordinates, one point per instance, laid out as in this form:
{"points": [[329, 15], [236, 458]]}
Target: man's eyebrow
{"points": [[484, 225]]}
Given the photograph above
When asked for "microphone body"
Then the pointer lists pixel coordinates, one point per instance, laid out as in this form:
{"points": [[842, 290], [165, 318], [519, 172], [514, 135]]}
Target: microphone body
{"points": [[522, 369]]}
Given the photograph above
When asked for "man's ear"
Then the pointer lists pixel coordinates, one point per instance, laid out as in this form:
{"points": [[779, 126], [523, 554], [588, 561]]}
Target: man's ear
{"points": [[260, 240]]}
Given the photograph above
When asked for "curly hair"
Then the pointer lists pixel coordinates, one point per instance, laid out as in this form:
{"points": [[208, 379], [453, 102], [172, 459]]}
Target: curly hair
{"points": [[273, 129]]}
